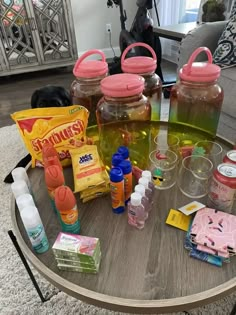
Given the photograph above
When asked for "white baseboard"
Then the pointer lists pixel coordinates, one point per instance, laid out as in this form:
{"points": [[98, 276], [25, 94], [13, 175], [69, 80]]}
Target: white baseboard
{"points": [[107, 51]]}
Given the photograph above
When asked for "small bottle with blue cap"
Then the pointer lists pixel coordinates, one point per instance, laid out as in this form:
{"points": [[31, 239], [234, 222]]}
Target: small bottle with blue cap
{"points": [[117, 190], [124, 151]]}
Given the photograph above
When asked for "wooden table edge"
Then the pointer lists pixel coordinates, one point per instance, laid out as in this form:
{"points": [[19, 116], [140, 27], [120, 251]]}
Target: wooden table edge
{"points": [[122, 304]]}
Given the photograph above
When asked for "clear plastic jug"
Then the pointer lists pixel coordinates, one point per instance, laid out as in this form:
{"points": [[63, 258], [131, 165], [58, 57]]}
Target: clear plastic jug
{"points": [[145, 66], [196, 99], [85, 89]]}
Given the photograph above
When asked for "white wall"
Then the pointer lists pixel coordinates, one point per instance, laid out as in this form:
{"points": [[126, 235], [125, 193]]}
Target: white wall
{"points": [[90, 19]]}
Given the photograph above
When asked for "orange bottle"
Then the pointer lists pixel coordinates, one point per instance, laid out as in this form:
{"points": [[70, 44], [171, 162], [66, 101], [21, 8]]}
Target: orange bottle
{"points": [[50, 155], [67, 208], [54, 178]]}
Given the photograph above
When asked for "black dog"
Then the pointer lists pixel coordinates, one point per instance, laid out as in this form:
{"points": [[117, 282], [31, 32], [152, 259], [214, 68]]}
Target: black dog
{"points": [[50, 96], [47, 96]]}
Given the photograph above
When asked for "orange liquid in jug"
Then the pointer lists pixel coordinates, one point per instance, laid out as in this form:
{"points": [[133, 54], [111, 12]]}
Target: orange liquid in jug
{"points": [[89, 102], [196, 107]]}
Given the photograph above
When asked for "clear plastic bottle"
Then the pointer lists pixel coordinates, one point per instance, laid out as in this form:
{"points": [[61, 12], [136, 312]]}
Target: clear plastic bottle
{"points": [[136, 211], [24, 200], [148, 175], [145, 66], [85, 89], [140, 189], [19, 173], [35, 229], [196, 98], [123, 100], [19, 187], [148, 192]]}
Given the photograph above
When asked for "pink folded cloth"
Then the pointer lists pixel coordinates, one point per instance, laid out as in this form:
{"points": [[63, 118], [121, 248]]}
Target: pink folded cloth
{"points": [[214, 229], [211, 251]]}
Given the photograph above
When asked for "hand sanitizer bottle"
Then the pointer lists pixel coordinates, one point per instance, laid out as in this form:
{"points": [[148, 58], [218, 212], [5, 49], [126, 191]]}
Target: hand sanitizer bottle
{"points": [[24, 200], [19, 187], [148, 175], [140, 189], [148, 192], [19, 173], [34, 228], [136, 211]]}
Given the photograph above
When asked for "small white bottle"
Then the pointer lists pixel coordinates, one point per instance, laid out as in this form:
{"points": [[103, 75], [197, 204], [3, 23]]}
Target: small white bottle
{"points": [[24, 200], [148, 192], [147, 174], [145, 202], [136, 211], [34, 228], [19, 173], [19, 187]]}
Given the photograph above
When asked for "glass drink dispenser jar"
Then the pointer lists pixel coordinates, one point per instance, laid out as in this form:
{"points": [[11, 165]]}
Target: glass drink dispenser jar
{"points": [[123, 99], [196, 99], [85, 89], [145, 66]]}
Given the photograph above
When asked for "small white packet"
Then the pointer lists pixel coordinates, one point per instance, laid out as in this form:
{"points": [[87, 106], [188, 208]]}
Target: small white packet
{"points": [[192, 207]]}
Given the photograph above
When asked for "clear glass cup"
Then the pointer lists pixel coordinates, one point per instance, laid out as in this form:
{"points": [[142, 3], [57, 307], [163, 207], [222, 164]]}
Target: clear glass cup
{"points": [[163, 165], [167, 141], [211, 150], [194, 175]]}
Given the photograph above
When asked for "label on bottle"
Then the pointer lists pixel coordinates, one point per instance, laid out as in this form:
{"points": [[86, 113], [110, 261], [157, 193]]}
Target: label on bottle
{"points": [[38, 238], [69, 216], [117, 196]]}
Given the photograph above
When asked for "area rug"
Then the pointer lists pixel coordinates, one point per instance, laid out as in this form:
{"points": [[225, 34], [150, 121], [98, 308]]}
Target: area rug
{"points": [[17, 294]]}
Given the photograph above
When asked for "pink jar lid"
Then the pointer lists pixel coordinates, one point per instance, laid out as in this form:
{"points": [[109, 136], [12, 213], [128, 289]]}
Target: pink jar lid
{"points": [[90, 68], [122, 85], [139, 64], [200, 71]]}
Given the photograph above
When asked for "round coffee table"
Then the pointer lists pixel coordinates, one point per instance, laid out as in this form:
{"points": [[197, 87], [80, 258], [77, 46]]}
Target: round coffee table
{"points": [[146, 271]]}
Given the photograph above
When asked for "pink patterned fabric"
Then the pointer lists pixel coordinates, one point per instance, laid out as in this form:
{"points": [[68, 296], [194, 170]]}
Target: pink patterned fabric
{"points": [[214, 229]]}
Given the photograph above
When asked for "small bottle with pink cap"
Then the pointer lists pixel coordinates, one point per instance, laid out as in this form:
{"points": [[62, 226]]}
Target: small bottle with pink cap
{"points": [[85, 89]]}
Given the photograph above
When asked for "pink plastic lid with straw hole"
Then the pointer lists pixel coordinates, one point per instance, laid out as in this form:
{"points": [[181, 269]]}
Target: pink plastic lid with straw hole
{"points": [[90, 68], [139, 64], [200, 71], [122, 85]]}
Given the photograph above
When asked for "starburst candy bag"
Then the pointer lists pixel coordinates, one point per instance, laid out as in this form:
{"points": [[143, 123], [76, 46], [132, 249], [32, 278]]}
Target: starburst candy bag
{"points": [[64, 127]]}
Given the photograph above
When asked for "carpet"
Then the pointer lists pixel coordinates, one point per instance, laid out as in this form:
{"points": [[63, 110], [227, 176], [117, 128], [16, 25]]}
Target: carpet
{"points": [[17, 294]]}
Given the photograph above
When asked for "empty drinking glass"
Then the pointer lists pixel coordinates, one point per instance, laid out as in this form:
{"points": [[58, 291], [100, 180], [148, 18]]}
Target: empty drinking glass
{"points": [[163, 165], [211, 150], [194, 174], [167, 141]]}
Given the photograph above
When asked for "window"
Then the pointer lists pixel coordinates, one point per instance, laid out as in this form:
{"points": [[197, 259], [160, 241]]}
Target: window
{"points": [[191, 11]]}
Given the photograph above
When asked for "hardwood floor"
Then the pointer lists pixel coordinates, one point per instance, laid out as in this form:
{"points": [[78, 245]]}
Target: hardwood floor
{"points": [[16, 90]]}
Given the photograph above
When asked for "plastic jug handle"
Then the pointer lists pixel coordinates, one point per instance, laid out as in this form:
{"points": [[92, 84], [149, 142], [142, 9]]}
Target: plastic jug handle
{"points": [[195, 54], [85, 55], [135, 45]]}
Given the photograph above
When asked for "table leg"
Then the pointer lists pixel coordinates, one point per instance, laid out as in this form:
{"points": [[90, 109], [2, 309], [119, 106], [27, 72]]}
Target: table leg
{"points": [[233, 312], [27, 267]]}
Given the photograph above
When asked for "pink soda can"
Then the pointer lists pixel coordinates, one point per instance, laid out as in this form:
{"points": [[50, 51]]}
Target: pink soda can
{"points": [[230, 157], [222, 187]]}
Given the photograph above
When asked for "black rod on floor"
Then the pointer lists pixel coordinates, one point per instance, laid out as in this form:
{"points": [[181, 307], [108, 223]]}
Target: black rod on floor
{"points": [[27, 267], [233, 312]]}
